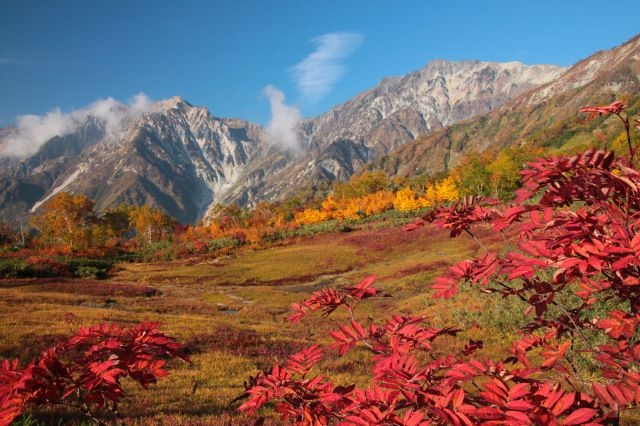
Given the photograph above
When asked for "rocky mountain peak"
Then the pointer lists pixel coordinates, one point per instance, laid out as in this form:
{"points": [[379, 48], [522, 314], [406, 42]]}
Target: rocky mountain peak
{"points": [[175, 102], [179, 157]]}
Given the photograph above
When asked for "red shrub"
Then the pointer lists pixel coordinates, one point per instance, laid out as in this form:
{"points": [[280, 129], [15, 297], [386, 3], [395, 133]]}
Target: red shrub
{"points": [[85, 371]]}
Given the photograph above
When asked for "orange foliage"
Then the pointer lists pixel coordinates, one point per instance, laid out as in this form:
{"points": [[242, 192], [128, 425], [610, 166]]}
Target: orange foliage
{"points": [[66, 220], [347, 208], [253, 234], [310, 216], [150, 224], [377, 202]]}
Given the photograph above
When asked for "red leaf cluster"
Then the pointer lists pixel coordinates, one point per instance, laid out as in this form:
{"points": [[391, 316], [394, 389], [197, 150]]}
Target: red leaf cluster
{"points": [[328, 300], [406, 390], [86, 370], [614, 108]]}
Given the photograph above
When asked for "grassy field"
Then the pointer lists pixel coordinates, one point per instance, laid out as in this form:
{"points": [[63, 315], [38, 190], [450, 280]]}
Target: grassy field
{"points": [[230, 312]]}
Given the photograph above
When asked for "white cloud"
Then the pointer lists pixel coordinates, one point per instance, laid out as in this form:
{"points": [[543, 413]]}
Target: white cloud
{"points": [[281, 130], [316, 74], [140, 104], [32, 131]]}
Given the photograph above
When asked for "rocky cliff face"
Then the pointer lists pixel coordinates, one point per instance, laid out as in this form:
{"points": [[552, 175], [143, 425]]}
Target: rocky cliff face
{"points": [[442, 93], [397, 111], [180, 158]]}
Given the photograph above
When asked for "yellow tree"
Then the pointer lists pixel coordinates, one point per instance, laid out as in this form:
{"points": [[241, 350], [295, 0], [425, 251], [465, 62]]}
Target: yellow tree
{"points": [[150, 224], [66, 220], [377, 202], [310, 216], [406, 200], [505, 169], [329, 206], [348, 209], [441, 192]]}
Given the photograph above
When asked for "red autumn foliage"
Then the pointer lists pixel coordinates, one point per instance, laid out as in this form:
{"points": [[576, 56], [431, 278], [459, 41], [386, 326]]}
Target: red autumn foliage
{"points": [[86, 370], [577, 222], [615, 108]]}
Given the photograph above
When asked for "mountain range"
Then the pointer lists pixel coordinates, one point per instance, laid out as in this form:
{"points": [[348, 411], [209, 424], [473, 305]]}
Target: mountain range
{"points": [[180, 158]]}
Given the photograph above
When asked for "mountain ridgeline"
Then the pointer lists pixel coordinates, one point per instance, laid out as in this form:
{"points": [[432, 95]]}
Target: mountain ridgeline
{"points": [[182, 159], [545, 118]]}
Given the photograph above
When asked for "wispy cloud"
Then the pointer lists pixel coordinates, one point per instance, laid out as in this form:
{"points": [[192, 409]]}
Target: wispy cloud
{"points": [[13, 61], [281, 130], [32, 131], [316, 75]]}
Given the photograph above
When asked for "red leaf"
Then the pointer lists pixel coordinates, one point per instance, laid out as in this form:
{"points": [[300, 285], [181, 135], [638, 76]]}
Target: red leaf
{"points": [[518, 391], [552, 357], [301, 362], [635, 242], [518, 417], [363, 289], [488, 413], [564, 403], [458, 398], [413, 418], [602, 394], [445, 287], [623, 262], [519, 405], [415, 225], [617, 394], [581, 415]]}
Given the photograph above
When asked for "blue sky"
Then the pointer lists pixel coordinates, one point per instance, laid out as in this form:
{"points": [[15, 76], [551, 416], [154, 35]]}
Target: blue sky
{"points": [[230, 55]]}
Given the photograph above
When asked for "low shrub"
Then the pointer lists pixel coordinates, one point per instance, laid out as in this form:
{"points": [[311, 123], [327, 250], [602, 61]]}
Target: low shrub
{"points": [[85, 372], [90, 268], [12, 268], [216, 244]]}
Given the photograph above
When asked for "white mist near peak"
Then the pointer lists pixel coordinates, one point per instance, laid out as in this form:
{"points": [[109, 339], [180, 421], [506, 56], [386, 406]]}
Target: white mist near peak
{"points": [[32, 131], [281, 130]]}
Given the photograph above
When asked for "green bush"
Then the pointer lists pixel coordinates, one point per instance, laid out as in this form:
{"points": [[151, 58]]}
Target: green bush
{"points": [[90, 268], [12, 268], [89, 272], [221, 243]]}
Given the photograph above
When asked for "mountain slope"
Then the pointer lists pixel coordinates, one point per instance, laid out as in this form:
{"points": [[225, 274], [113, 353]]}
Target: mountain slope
{"points": [[545, 117]]}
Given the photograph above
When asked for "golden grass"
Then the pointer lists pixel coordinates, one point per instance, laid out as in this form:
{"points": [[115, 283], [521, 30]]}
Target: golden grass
{"points": [[231, 312]]}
